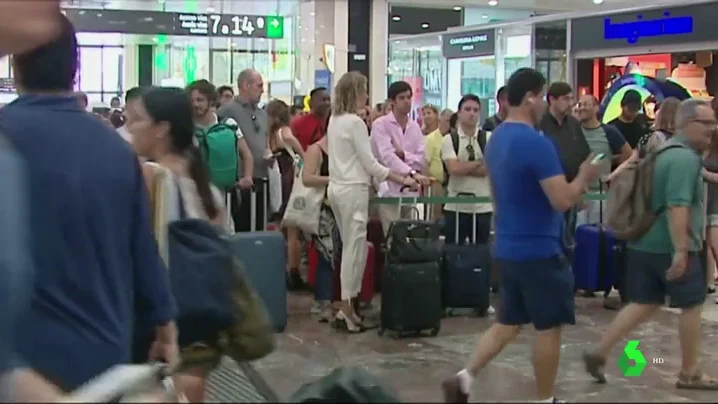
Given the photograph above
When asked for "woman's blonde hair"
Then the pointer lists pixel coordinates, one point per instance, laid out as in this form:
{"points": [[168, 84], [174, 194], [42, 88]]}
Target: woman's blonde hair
{"points": [[349, 87], [666, 115]]}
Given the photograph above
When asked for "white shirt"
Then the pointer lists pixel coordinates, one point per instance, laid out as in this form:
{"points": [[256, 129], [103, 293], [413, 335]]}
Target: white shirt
{"points": [[351, 161], [467, 184]]}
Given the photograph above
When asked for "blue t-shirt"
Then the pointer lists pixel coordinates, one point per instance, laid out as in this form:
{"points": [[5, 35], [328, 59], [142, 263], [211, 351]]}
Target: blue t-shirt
{"points": [[94, 256], [527, 227]]}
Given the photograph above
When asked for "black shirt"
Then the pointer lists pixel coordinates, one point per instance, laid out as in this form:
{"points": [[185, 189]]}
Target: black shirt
{"points": [[491, 123], [632, 131], [569, 140]]}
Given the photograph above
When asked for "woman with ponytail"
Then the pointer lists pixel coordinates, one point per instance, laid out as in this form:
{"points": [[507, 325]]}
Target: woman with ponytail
{"points": [[163, 132]]}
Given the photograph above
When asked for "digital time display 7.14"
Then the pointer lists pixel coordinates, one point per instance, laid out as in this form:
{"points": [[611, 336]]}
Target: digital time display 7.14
{"points": [[230, 25]]}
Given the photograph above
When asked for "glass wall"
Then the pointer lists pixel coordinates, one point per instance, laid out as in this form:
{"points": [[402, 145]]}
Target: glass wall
{"points": [[476, 75], [180, 60], [419, 62], [516, 49]]}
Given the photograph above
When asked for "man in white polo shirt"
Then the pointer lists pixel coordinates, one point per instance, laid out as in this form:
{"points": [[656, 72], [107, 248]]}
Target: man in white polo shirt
{"points": [[462, 153]]}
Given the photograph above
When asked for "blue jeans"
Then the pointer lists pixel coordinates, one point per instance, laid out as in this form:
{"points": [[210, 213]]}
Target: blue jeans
{"points": [[324, 280]]}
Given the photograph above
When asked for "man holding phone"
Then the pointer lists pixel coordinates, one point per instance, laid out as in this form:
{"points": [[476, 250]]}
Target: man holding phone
{"points": [[560, 126]]}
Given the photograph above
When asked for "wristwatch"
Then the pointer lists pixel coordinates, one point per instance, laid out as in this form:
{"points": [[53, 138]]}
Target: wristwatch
{"points": [[412, 173]]}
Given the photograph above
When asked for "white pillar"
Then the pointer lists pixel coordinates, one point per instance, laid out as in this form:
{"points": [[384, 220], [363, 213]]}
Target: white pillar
{"points": [[378, 50], [341, 37]]}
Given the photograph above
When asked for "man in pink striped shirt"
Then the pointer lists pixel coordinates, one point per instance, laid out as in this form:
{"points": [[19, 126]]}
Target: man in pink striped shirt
{"points": [[398, 143]]}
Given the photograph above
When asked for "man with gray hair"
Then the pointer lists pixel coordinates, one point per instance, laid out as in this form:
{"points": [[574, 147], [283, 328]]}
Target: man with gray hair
{"points": [[252, 122], [665, 260]]}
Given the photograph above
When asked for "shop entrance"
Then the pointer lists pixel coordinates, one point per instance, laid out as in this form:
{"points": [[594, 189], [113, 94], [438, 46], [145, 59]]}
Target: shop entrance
{"points": [[656, 76]]}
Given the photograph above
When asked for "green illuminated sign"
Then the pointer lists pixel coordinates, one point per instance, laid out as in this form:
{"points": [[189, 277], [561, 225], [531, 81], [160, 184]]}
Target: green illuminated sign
{"points": [[631, 353], [275, 27]]}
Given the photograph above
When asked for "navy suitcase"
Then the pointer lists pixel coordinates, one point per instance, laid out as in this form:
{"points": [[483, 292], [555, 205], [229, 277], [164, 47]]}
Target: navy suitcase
{"points": [[265, 262], [594, 258], [466, 275]]}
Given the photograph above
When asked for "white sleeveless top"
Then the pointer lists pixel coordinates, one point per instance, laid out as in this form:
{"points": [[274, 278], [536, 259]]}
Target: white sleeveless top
{"points": [[167, 210]]}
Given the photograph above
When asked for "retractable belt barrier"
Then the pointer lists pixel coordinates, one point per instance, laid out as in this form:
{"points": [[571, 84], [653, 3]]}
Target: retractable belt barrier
{"points": [[434, 200]]}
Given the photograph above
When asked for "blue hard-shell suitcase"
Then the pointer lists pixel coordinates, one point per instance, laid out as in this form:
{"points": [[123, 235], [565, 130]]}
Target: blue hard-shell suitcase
{"points": [[594, 258], [262, 254]]}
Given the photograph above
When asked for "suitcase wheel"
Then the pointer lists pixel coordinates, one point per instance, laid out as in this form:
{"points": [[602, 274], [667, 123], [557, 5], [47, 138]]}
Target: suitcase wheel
{"points": [[435, 331], [482, 312], [380, 331]]}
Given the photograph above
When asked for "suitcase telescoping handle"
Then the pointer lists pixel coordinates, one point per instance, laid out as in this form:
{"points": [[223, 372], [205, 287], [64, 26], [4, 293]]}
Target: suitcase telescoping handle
{"points": [[473, 221], [263, 183], [413, 198]]}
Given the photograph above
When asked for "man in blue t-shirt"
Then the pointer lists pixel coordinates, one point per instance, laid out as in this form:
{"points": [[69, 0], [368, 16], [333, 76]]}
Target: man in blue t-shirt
{"points": [[530, 191]]}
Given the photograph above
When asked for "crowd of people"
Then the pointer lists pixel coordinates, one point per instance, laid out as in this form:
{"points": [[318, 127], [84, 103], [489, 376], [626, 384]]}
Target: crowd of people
{"points": [[87, 202]]}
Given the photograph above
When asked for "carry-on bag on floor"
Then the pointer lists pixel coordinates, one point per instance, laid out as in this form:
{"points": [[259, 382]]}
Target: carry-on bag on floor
{"points": [[367, 285], [345, 385], [466, 273], [237, 382], [265, 262], [411, 300], [594, 257]]}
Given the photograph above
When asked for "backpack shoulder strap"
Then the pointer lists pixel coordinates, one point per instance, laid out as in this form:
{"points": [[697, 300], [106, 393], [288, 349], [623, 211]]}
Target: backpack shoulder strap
{"points": [[482, 140], [455, 141]]}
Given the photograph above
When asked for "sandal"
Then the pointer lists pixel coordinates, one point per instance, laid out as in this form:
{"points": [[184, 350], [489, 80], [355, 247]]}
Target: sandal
{"points": [[344, 323], [698, 381]]}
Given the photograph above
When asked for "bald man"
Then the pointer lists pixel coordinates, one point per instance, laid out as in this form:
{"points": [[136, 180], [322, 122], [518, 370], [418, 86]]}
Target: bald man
{"points": [[252, 122]]}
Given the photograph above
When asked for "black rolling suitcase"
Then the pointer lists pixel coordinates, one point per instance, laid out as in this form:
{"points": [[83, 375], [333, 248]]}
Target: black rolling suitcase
{"points": [[411, 282], [411, 299]]}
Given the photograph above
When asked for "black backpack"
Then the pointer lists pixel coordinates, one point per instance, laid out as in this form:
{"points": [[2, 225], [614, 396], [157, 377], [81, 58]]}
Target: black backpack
{"points": [[481, 137]]}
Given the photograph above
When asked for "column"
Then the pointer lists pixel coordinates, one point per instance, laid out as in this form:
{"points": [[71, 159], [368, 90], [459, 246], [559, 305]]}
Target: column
{"points": [[341, 36], [378, 50]]}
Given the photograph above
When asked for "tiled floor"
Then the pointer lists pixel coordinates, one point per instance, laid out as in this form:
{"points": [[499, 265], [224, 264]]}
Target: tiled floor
{"points": [[415, 367]]}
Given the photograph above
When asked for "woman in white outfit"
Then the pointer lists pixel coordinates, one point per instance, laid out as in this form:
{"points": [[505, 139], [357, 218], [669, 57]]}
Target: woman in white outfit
{"points": [[351, 168]]}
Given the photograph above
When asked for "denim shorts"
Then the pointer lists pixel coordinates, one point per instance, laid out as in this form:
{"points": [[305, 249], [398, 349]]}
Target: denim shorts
{"points": [[540, 292], [646, 280]]}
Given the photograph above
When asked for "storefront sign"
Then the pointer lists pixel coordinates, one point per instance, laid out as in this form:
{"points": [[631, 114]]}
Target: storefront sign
{"points": [[171, 23], [468, 44], [662, 26]]}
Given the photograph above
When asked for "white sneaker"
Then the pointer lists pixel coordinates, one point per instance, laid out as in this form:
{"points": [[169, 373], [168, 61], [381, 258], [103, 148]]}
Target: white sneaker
{"points": [[491, 310]]}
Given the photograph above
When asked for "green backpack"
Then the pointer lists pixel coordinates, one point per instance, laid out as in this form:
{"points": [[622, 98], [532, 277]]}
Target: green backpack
{"points": [[219, 148]]}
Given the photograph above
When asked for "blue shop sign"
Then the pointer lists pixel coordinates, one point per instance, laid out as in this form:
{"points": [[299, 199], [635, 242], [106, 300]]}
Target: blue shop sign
{"points": [[654, 26], [632, 31]]}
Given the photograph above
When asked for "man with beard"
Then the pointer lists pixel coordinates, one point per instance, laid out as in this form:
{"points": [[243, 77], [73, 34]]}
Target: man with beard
{"points": [[529, 192], [204, 97], [564, 130], [631, 123], [604, 139]]}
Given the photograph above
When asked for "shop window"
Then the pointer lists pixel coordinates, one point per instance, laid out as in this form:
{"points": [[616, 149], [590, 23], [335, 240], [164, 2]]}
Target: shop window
{"points": [[90, 60], [221, 68], [112, 60], [5, 67], [101, 73]]}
